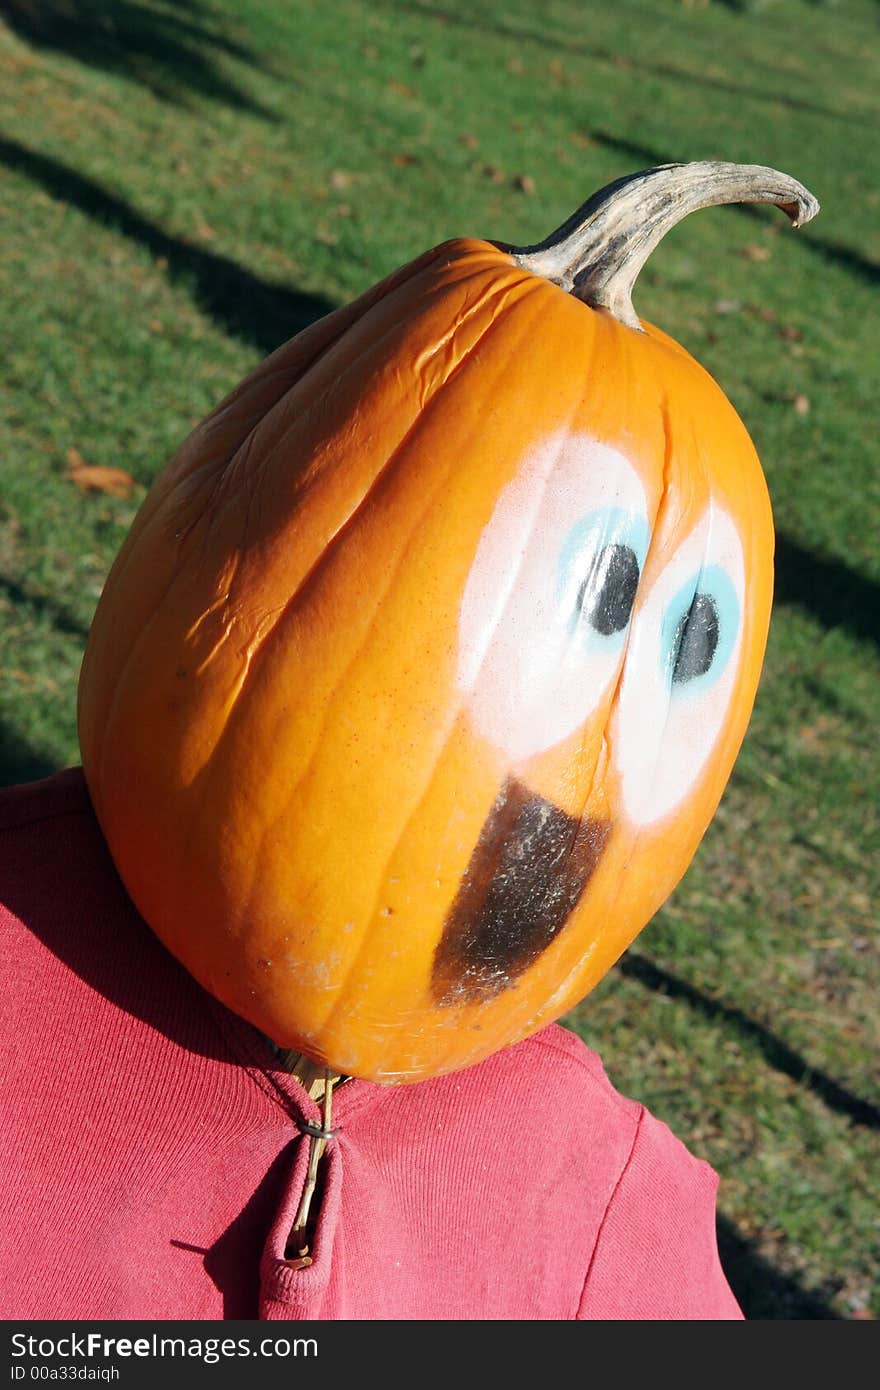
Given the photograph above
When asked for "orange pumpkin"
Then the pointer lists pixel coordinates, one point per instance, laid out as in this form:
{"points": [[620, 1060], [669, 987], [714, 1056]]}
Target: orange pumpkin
{"points": [[427, 658]]}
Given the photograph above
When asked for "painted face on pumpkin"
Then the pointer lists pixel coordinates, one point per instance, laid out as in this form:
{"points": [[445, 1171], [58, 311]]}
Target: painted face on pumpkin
{"points": [[555, 615], [558, 630]]}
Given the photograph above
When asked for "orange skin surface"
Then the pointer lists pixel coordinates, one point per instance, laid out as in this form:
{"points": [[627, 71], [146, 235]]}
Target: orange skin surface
{"points": [[287, 702]]}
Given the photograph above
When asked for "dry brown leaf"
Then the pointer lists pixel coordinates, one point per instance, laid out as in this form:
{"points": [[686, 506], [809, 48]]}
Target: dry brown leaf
{"points": [[524, 182], [204, 232], [403, 158], [95, 477], [401, 89], [801, 403], [755, 253], [491, 171], [469, 141], [340, 178]]}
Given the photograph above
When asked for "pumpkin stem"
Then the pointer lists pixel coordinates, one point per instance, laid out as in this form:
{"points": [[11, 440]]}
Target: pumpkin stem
{"points": [[597, 254]]}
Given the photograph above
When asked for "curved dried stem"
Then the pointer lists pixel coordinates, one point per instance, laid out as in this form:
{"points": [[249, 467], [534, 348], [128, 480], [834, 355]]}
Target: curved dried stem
{"points": [[598, 252]]}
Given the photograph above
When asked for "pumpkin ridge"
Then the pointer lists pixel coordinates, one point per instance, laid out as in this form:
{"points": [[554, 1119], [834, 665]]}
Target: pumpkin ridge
{"points": [[607, 739], [656, 531], [472, 310], [96, 775], [624, 347], [136, 646], [304, 776]]}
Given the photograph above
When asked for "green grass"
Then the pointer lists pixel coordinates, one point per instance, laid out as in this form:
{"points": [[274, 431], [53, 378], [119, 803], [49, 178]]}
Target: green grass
{"points": [[182, 187]]}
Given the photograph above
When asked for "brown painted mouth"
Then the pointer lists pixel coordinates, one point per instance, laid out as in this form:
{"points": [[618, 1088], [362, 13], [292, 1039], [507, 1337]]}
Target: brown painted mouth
{"points": [[527, 873]]}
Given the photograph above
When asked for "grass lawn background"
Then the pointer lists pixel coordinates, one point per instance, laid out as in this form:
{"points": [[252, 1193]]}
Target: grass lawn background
{"points": [[183, 186]]}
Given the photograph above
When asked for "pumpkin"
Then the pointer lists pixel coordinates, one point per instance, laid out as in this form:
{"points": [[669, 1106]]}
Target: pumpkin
{"points": [[423, 667]]}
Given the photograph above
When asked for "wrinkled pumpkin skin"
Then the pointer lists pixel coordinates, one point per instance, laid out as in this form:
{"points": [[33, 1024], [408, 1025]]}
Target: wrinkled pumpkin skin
{"points": [[362, 763]]}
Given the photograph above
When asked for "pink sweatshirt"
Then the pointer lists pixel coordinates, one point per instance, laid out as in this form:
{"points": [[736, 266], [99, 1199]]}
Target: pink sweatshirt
{"points": [[152, 1161]]}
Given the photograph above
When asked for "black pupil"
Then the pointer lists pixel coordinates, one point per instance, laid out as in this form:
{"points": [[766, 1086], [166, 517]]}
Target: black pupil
{"points": [[607, 594], [695, 641]]}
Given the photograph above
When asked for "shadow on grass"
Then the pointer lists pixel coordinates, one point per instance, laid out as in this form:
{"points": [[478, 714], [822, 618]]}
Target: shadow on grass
{"points": [[172, 49], [776, 1053], [827, 589], [763, 1292], [61, 619], [21, 761], [243, 305], [585, 48]]}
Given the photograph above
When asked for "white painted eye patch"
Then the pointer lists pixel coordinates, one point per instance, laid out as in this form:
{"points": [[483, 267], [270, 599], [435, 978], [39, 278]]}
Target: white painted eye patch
{"points": [[681, 666], [546, 607]]}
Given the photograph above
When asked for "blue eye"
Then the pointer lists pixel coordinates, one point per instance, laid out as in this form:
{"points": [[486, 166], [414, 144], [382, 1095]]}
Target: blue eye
{"points": [[699, 630], [599, 569]]}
